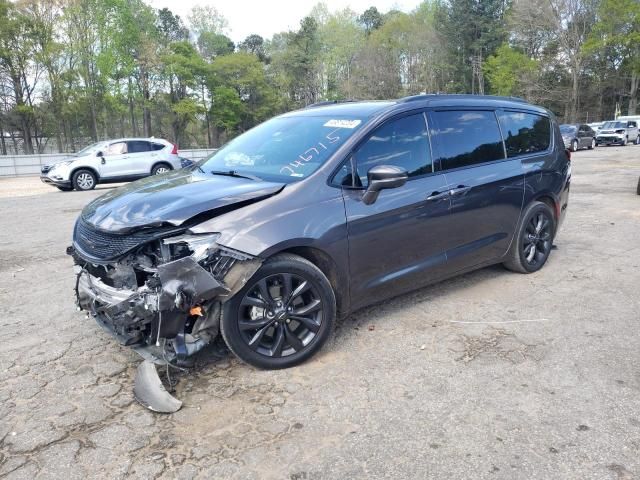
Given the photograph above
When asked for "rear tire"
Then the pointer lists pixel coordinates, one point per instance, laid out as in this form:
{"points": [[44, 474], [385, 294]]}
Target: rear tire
{"points": [[161, 168], [84, 180], [638, 187], [593, 144], [532, 242], [574, 146], [275, 321]]}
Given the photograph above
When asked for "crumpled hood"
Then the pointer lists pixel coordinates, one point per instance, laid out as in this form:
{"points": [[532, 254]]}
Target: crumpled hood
{"points": [[172, 199]]}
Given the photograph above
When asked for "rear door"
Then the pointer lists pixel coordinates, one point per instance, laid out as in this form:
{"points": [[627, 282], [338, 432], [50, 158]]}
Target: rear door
{"points": [[584, 136], [486, 187], [398, 242], [140, 157]]}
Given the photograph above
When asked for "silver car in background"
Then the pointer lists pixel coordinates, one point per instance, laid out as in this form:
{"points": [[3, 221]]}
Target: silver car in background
{"points": [[618, 132], [111, 161]]}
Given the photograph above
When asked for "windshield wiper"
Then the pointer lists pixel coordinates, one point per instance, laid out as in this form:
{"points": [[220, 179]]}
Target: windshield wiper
{"points": [[236, 174]]}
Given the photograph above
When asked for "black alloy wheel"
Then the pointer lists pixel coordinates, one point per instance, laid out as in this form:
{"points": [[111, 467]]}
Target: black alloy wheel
{"points": [[533, 240], [282, 316], [536, 241]]}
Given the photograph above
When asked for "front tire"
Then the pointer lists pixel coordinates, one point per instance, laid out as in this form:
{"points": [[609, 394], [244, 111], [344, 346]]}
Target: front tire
{"points": [[84, 180], [532, 243], [64, 189], [282, 316]]}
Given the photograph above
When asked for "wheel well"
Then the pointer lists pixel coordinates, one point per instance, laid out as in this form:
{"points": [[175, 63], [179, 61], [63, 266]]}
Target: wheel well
{"points": [[325, 263], [91, 169], [550, 202], [157, 164]]}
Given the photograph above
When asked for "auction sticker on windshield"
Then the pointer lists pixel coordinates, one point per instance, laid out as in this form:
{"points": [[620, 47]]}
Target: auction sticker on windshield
{"points": [[343, 123]]}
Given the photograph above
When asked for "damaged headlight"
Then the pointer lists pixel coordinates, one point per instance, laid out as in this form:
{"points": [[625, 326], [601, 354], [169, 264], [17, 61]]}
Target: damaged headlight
{"points": [[200, 246]]}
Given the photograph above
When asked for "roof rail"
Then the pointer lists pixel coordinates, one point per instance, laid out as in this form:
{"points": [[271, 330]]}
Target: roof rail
{"points": [[328, 102], [427, 96]]}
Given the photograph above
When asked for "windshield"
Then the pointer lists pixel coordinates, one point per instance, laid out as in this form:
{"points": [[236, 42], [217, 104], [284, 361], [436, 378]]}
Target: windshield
{"points": [[612, 125], [567, 128], [88, 149], [283, 149]]}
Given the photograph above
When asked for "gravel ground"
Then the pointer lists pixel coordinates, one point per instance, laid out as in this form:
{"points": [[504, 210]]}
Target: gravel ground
{"points": [[490, 375]]}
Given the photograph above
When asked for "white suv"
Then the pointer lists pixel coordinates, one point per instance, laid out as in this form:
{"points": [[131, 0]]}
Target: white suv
{"points": [[620, 132], [112, 161]]}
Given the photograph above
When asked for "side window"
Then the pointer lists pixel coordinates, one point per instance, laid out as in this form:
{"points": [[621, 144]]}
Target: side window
{"points": [[116, 148], [138, 146], [632, 124], [157, 146], [403, 142], [464, 138], [526, 133]]}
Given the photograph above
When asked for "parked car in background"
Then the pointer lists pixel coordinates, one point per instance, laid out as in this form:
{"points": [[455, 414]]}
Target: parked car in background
{"points": [[110, 161], [618, 132], [596, 126], [314, 214], [577, 136]]}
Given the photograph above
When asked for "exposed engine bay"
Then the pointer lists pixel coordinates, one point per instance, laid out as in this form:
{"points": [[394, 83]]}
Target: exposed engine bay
{"points": [[159, 292]]}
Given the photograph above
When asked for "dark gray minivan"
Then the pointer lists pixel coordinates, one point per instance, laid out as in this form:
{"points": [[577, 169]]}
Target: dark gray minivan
{"points": [[316, 213]]}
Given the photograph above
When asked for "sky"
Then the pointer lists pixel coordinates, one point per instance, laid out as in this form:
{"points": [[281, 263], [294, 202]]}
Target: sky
{"points": [[266, 17]]}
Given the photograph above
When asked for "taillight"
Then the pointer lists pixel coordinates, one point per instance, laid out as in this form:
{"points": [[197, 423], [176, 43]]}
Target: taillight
{"points": [[175, 149]]}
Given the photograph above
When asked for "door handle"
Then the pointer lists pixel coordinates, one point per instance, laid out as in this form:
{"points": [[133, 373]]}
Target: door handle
{"points": [[438, 195], [459, 190]]}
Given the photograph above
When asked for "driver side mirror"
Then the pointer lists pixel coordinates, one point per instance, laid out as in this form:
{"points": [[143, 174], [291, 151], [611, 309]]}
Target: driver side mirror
{"points": [[100, 154], [383, 177]]}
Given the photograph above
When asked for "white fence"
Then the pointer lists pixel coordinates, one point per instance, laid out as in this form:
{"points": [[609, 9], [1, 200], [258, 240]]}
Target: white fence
{"points": [[19, 165]]}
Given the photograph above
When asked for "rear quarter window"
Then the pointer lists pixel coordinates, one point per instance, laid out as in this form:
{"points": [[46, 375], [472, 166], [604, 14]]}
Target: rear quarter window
{"points": [[525, 133], [157, 146]]}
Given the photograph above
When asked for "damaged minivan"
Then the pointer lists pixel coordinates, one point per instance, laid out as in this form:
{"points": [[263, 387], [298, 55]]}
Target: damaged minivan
{"points": [[313, 214]]}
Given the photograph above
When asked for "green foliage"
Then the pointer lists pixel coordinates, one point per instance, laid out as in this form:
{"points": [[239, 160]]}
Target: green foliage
{"points": [[77, 70], [509, 71]]}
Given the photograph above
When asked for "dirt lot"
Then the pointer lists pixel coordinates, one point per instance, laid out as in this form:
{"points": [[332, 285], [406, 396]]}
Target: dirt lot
{"points": [[490, 375]]}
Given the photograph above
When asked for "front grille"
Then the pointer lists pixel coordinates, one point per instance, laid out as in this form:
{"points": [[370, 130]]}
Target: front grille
{"points": [[100, 245]]}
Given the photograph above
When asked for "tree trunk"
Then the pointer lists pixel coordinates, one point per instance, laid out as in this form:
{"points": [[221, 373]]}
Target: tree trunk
{"points": [[3, 146], [633, 94], [575, 73], [134, 126], [146, 113]]}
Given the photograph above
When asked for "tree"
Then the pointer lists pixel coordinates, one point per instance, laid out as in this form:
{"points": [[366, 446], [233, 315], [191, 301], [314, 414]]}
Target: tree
{"points": [[511, 72], [254, 44], [473, 30], [17, 46], [371, 19], [572, 21], [618, 30], [206, 19]]}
